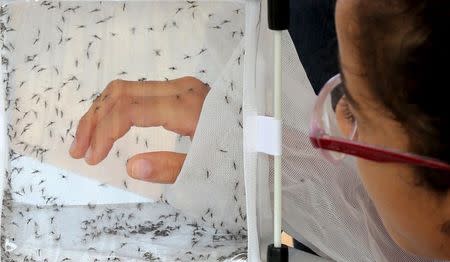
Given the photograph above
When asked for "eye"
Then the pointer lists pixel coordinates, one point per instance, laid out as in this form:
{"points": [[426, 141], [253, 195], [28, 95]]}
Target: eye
{"points": [[347, 113], [345, 118]]}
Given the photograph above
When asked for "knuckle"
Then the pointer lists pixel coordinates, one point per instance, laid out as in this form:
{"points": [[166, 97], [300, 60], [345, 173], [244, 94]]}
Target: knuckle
{"points": [[116, 83], [190, 79], [83, 120], [114, 87]]}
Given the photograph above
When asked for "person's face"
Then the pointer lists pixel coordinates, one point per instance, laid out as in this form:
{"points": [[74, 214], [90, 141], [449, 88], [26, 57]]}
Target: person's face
{"points": [[414, 217]]}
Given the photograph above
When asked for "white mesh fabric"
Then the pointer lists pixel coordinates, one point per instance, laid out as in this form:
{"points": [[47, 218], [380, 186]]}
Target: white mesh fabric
{"points": [[211, 184], [324, 206]]}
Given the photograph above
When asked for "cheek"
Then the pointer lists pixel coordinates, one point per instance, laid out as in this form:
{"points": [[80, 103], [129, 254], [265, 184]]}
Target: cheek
{"points": [[403, 207], [388, 185], [381, 181]]}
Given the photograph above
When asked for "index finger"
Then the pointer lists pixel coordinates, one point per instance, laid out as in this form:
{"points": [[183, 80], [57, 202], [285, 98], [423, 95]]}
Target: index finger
{"points": [[142, 112]]}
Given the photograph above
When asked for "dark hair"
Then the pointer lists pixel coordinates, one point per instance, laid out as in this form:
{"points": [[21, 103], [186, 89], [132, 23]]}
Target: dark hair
{"points": [[404, 46]]}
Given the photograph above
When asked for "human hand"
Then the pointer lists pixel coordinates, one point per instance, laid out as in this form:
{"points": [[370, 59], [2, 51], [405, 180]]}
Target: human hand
{"points": [[175, 105]]}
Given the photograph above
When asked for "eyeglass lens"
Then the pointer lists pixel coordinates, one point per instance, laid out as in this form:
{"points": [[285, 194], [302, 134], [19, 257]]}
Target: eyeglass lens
{"points": [[337, 118]]}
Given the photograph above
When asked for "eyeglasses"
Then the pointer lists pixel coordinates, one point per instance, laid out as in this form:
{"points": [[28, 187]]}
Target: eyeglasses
{"points": [[334, 130]]}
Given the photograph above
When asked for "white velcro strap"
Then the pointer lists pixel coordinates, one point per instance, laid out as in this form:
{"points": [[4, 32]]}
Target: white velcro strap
{"points": [[268, 135]]}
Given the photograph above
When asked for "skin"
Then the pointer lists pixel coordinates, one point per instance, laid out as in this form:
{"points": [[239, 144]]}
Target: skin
{"points": [[412, 215], [174, 105]]}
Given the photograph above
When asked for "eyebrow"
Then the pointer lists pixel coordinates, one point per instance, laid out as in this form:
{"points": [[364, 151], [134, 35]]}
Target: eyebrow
{"points": [[347, 94]]}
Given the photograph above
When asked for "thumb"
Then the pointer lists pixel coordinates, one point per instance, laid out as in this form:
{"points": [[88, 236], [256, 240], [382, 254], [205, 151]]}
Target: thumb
{"points": [[156, 167]]}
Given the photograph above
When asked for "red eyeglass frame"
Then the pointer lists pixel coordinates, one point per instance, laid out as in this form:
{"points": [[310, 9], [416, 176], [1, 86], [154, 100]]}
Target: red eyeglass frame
{"points": [[320, 139]]}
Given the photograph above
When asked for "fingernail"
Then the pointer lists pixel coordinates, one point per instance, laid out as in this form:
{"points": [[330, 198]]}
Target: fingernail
{"points": [[72, 147], [88, 155], [141, 169]]}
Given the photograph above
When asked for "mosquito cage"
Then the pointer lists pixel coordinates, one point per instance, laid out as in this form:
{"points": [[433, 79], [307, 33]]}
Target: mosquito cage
{"points": [[57, 58]]}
